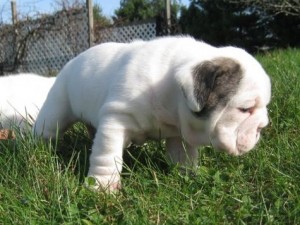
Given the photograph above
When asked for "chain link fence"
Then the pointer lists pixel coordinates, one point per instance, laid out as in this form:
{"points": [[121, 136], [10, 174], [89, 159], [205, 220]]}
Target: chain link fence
{"points": [[145, 30], [45, 45]]}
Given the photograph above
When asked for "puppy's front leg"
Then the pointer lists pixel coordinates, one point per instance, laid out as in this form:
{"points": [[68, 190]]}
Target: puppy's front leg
{"points": [[181, 153], [106, 158]]}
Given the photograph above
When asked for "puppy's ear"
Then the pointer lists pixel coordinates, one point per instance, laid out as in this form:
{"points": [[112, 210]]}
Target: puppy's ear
{"points": [[207, 77], [204, 75]]}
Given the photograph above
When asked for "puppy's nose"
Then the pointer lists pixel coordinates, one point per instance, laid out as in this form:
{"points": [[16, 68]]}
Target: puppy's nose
{"points": [[258, 133], [259, 129]]}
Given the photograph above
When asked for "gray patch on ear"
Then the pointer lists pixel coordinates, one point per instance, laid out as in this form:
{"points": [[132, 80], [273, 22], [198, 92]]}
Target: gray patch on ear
{"points": [[215, 82]]}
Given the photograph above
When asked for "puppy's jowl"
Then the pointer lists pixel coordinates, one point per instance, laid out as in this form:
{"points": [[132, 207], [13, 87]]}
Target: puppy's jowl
{"points": [[174, 88]]}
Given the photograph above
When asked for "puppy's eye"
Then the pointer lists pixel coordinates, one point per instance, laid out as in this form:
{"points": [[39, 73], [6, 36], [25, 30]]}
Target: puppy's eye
{"points": [[246, 110]]}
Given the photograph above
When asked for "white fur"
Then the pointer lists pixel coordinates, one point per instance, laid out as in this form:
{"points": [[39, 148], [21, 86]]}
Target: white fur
{"points": [[132, 92], [21, 98]]}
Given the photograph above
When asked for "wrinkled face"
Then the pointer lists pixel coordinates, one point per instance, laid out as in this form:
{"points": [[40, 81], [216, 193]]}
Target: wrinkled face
{"points": [[237, 127], [230, 100]]}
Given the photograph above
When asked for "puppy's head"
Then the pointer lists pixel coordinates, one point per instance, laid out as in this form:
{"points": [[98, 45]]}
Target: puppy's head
{"points": [[227, 99]]}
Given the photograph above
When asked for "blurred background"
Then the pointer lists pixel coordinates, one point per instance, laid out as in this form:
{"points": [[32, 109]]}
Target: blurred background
{"points": [[41, 35]]}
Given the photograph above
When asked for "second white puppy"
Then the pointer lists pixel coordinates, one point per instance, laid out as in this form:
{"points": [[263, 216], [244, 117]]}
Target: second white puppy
{"points": [[21, 98]]}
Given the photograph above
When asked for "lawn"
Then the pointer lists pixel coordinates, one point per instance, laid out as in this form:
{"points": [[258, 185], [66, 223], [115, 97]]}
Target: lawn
{"points": [[42, 183]]}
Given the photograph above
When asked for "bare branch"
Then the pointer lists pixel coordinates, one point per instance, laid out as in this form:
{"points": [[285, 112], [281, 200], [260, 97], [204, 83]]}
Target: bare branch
{"points": [[287, 7]]}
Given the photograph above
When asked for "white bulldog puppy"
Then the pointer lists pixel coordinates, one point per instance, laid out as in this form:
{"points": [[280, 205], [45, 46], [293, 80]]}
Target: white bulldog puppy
{"points": [[176, 88], [21, 98]]}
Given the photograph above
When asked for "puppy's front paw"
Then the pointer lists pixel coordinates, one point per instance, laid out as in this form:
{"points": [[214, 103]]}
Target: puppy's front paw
{"points": [[109, 184]]}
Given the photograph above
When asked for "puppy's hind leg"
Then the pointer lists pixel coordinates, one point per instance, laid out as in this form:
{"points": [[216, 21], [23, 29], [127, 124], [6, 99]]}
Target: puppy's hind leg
{"points": [[181, 153], [55, 115]]}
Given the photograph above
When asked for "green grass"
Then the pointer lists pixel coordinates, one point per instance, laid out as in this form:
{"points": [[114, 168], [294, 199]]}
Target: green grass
{"points": [[42, 183]]}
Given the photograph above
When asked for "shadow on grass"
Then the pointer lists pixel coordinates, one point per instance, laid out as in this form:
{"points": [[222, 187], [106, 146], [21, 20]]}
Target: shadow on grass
{"points": [[74, 149]]}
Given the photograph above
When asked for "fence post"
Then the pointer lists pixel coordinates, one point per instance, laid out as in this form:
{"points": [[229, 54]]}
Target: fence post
{"points": [[15, 36], [168, 16], [13, 12], [89, 6]]}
